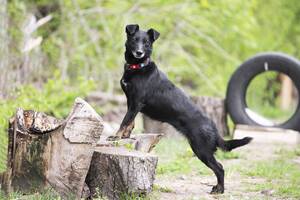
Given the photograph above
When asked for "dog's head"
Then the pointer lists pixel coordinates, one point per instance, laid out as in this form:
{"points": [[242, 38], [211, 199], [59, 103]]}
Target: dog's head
{"points": [[139, 43]]}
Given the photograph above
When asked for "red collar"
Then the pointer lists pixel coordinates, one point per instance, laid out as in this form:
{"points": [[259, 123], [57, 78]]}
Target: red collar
{"points": [[139, 65]]}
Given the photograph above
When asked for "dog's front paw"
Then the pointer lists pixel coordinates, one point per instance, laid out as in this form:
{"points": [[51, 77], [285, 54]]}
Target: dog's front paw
{"points": [[217, 189], [125, 131]]}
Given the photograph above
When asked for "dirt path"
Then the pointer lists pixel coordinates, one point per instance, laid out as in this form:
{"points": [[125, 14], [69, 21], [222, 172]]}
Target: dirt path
{"points": [[195, 186]]}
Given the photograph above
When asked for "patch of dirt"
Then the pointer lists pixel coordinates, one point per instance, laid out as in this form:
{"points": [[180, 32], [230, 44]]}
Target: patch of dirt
{"points": [[195, 186]]}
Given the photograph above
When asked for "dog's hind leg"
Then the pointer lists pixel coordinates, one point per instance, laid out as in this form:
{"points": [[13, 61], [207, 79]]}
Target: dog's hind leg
{"points": [[219, 172], [207, 157]]}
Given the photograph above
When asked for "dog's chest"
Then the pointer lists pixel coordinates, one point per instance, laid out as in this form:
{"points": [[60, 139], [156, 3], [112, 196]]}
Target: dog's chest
{"points": [[128, 82]]}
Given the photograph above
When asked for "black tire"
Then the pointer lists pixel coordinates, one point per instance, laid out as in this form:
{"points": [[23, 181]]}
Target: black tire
{"points": [[238, 84]]}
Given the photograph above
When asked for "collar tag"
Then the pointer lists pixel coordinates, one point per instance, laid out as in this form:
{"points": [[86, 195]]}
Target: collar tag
{"points": [[135, 66]]}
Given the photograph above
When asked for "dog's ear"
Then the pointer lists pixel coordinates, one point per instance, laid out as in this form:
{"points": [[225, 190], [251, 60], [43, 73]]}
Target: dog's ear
{"points": [[132, 28], [153, 34]]}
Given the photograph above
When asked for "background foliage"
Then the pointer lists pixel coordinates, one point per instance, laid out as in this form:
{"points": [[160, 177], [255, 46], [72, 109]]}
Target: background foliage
{"points": [[201, 43]]}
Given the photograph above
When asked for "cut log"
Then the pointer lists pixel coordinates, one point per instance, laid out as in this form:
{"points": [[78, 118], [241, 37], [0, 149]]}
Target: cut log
{"points": [[214, 108], [118, 171], [44, 151]]}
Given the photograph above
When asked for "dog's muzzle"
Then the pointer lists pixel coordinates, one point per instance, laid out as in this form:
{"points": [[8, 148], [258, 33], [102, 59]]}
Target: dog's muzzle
{"points": [[138, 54]]}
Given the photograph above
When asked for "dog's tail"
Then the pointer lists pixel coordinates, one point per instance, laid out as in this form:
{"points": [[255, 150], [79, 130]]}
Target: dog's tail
{"points": [[232, 144]]}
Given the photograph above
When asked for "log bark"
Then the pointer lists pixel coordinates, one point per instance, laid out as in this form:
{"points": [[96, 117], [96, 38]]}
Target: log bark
{"points": [[214, 108], [44, 151], [115, 172]]}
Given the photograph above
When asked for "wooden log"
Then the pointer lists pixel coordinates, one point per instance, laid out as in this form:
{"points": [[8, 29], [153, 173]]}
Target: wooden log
{"points": [[214, 108], [44, 151], [115, 172]]}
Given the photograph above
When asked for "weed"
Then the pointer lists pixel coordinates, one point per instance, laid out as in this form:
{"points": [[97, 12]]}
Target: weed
{"points": [[162, 189], [133, 196]]}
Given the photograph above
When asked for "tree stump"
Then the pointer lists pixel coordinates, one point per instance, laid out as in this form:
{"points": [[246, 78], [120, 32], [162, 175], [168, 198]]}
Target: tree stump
{"points": [[214, 108], [115, 172], [44, 151]]}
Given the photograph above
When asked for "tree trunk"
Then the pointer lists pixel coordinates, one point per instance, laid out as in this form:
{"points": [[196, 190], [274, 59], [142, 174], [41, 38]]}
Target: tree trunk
{"points": [[45, 151], [214, 108], [3, 45], [286, 92], [115, 172]]}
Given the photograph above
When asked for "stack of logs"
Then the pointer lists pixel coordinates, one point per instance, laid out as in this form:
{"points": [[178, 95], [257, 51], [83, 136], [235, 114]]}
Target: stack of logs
{"points": [[73, 158]]}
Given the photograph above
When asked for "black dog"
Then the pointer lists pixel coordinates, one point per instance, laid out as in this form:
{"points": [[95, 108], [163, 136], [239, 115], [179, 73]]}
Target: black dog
{"points": [[149, 91]]}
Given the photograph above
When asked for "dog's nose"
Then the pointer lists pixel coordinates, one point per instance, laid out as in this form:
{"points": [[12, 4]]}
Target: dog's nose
{"points": [[139, 53]]}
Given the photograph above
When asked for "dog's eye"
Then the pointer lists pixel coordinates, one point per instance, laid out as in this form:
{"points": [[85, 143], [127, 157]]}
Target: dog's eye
{"points": [[146, 44]]}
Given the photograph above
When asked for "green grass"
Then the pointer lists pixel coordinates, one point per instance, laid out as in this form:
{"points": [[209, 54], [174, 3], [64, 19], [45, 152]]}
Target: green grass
{"points": [[221, 155], [281, 175], [46, 195], [162, 189], [288, 153], [176, 157]]}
